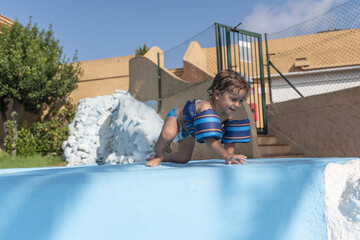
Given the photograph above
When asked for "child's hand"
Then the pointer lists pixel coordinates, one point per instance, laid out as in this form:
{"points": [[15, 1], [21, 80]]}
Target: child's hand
{"points": [[152, 161], [236, 159]]}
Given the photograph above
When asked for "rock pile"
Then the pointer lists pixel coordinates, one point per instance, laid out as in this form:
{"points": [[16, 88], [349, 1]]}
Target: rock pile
{"points": [[112, 129]]}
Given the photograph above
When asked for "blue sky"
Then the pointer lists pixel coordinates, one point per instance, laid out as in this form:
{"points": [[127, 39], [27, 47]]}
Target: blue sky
{"points": [[109, 28]]}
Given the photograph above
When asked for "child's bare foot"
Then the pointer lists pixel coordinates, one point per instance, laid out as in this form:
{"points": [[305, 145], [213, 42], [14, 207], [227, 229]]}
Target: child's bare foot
{"points": [[153, 162]]}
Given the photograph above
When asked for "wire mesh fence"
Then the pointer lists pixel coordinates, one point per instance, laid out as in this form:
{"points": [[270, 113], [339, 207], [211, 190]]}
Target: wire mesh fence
{"points": [[317, 56], [194, 51], [222, 47]]}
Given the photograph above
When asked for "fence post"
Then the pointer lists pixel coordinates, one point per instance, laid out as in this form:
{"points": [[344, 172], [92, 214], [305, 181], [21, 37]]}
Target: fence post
{"points": [[228, 48], [268, 68], [159, 83], [263, 95], [218, 47]]}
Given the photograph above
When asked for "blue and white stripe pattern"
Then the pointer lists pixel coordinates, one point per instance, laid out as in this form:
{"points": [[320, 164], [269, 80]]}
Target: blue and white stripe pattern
{"points": [[237, 131], [207, 125], [189, 112]]}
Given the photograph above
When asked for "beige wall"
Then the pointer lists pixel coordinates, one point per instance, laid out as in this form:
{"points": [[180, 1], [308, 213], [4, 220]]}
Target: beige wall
{"points": [[175, 92], [324, 125], [196, 65], [102, 77]]}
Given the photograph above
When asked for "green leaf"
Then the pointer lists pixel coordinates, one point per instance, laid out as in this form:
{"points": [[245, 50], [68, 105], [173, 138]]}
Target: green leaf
{"points": [[34, 71], [141, 50]]}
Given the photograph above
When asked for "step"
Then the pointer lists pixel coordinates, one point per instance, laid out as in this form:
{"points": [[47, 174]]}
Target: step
{"points": [[274, 149], [267, 140], [289, 155]]}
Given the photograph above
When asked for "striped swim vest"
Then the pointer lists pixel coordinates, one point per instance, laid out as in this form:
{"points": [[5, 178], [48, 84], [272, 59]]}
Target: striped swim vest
{"points": [[207, 124]]}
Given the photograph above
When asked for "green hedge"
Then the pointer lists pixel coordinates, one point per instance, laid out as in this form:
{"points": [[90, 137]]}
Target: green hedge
{"points": [[43, 137]]}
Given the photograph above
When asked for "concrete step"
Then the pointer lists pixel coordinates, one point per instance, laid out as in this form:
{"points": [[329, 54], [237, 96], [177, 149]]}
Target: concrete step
{"points": [[269, 148], [289, 155], [267, 140]]}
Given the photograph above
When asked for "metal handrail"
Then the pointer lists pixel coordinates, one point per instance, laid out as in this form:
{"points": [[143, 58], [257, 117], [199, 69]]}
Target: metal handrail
{"points": [[291, 85]]}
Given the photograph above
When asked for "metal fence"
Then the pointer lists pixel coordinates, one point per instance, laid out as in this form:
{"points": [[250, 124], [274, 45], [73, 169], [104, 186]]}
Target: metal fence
{"points": [[221, 47], [317, 56], [241, 51], [173, 58]]}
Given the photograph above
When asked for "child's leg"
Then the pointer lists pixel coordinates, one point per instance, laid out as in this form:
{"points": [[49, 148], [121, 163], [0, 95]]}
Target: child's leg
{"points": [[185, 150], [167, 135]]}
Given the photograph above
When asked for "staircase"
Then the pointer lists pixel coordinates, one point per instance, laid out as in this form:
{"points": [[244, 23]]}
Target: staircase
{"points": [[270, 148]]}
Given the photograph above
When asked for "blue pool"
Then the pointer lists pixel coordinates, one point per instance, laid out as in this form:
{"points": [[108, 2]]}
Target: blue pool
{"points": [[264, 199]]}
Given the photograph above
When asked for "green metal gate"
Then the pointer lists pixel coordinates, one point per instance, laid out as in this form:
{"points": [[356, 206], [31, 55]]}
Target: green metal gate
{"points": [[241, 51]]}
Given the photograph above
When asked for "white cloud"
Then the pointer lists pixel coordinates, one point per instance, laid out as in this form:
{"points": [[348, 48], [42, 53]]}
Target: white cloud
{"points": [[269, 19]]}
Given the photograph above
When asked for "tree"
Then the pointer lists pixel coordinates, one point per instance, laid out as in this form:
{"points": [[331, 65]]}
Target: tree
{"points": [[34, 72], [141, 50]]}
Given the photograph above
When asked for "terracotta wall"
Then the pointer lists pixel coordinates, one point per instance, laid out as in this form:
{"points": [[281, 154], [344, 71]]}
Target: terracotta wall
{"points": [[324, 125]]}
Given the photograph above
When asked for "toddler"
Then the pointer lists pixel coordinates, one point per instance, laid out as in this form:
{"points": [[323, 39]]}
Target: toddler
{"points": [[207, 121]]}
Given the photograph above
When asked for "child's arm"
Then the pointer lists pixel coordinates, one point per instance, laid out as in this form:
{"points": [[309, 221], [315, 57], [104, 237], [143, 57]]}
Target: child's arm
{"points": [[230, 147], [227, 154]]}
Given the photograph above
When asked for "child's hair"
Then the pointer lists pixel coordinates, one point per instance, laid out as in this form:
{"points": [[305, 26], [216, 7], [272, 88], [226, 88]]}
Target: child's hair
{"points": [[228, 80]]}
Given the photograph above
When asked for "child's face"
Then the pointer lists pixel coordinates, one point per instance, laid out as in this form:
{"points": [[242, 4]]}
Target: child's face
{"points": [[229, 102]]}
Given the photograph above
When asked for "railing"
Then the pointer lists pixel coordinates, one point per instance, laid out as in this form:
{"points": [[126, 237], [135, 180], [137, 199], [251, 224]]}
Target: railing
{"points": [[241, 51]]}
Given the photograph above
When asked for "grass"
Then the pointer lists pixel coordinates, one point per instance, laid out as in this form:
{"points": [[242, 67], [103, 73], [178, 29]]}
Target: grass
{"points": [[6, 161]]}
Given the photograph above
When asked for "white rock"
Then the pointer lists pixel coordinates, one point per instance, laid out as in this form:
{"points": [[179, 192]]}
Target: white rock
{"points": [[112, 129], [103, 118], [84, 146], [342, 200], [72, 140], [73, 160]]}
